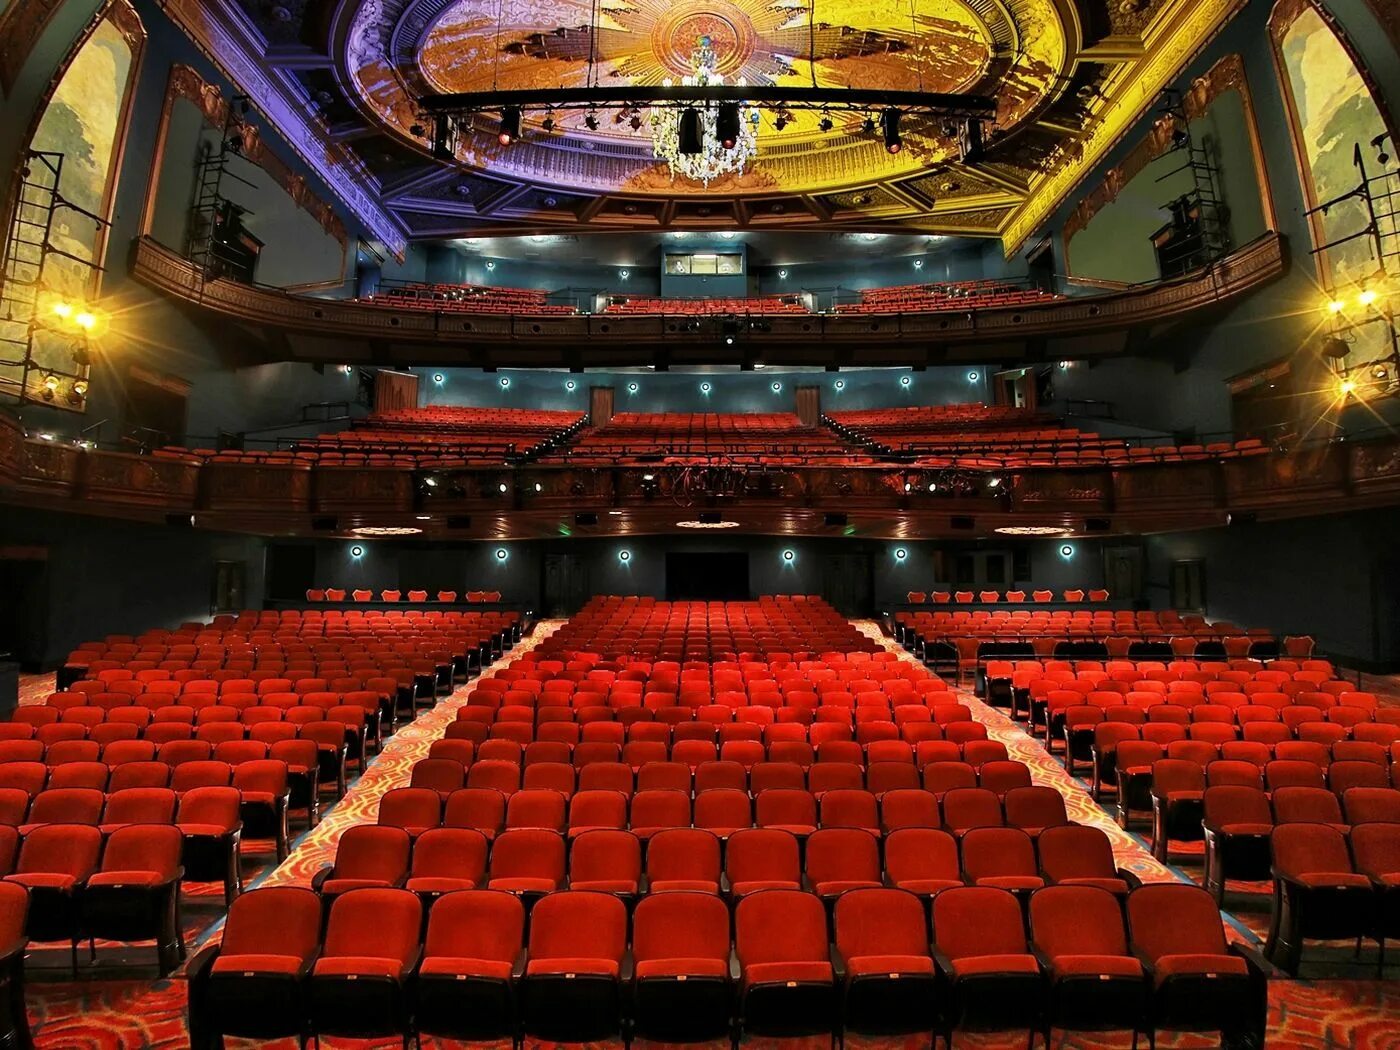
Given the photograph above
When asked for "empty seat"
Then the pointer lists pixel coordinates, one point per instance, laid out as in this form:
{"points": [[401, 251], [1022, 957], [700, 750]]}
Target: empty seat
{"points": [[1318, 893], [572, 988], [884, 950], [604, 861], [367, 855], [446, 860], [527, 862], [842, 859], [680, 948], [134, 894], [466, 986], [761, 859], [359, 984], [785, 974], [1075, 855], [683, 859]]}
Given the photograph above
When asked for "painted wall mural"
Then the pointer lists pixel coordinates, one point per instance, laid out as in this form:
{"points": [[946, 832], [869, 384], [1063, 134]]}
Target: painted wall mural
{"points": [[84, 124]]}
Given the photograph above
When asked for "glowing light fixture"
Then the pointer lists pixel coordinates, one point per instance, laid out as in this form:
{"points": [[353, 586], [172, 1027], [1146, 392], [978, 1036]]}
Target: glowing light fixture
{"points": [[900, 554], [439, 378], [505, 382], [1033, 530], [1366, 298], [356, 551], [501, 554], [570, 385], [972, 377], [704, 144], [777, 388], [385, 530], [705, 388], [905, 381], [624, 556], [696, 524], [788, 555], [839, 385], [1067, 551], [1336, 306], [632, 388]]}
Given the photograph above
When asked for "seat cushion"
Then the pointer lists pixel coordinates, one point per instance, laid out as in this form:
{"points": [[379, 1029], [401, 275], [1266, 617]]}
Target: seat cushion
{"points": [[438, 885], [258, 798], [835, 886], [1328, 879], [1200, 965], [1096, 966], [981, 965], [927, 886], [357, 966], [1012, 882], [584, 966], [683, 967], [1247, 829], [1117, 886], [1184, 796], [670, 885], [606, 885], [739, 889], [248, 965], [862, 965], [523, 885], [125, 878], [792, 829], [781, 972], [44, 880], [212, 831], [334, 886], [453, 966]]}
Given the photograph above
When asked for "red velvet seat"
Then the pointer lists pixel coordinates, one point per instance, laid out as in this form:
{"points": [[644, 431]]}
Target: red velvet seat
{"points": [[572, 988], [360, 983], [472, 963], [786, 981]]}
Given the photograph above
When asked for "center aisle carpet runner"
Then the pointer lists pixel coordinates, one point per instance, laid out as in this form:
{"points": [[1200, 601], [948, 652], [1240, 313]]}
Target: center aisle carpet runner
{"points": [[141, 1014]]}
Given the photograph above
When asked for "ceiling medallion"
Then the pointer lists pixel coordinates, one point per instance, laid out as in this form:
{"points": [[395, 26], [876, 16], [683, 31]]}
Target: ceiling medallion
{"points": [[704, 142], [708, 524], [1034, 530], [386, 530]]}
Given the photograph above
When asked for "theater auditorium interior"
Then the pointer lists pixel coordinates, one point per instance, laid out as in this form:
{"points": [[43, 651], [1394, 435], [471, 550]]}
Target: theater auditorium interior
{"points": [[700, 522]]}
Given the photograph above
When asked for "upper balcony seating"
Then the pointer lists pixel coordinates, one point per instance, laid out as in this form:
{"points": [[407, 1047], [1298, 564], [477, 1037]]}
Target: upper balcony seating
{"points": [[770, 438], [466, 298], [768, 304], [958, 295]]}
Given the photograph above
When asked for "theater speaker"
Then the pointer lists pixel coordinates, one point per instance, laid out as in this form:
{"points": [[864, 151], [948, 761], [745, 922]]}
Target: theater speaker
{"points": [[459, 521], [180, 521], [586, 518], [326, 524], [1241, 517], [836, 520], [962, 521], [1097, 525]]}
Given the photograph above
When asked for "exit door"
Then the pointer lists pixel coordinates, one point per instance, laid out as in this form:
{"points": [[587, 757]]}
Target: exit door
{"points": [[565, 585], [847, 585]]}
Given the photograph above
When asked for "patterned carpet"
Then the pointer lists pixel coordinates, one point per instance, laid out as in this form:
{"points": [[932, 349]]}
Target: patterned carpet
{"points": [[117, 1008]]}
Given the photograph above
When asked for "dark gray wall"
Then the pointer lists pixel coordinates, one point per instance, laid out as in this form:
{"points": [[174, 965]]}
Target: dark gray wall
{"points": [[116, 577]]}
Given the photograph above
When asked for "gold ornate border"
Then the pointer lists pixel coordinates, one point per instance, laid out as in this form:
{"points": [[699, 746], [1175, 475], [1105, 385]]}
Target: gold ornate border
{"points": [[186, 83], [1226, 75], [1281, 19], [21, 26]]}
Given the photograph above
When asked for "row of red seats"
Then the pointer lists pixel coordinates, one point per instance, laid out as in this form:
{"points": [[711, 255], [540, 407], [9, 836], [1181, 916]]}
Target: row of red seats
{"points": [[770, 304], [335, 594], [965, 597], [588, 971]]}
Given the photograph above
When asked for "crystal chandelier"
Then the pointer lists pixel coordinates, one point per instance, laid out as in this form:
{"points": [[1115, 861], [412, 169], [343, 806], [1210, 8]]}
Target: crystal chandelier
{"points": [[712, 159]]}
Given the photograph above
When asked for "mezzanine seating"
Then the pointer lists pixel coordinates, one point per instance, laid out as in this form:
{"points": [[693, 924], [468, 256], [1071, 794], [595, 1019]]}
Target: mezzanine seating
{"points": [[466, 298], [946, 295], [767, 438], [757, 305]]}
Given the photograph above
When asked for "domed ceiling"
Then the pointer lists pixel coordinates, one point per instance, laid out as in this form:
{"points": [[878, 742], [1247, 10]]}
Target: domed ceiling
{"points": [[1068, 78]]}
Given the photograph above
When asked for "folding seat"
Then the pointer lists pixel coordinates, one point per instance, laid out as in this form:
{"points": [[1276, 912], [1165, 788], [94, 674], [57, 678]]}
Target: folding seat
{"points": [[1307, 805], [190, 775], [883, 777], [462, 751], [1075, 855], [473, 997], [61, 752], [1178, 786], [968, 808], [653, 811], [1095, 982], [265, 792], [443, 775], [64, 806], [1034, 809], [722, 811], [1003, 858], [978, 752], [798, 752], [480, 809], [546, 751], [693, 752], [1363, 805], [446, 860], [527, 862], [1000, 777], [680, 859], [908, 808], [593, 809], [761, 859], [942, 777], [835, 776], [1107, 737], [681, 989], [80, 774], [786, 983], [138, 805], [790, 810], [360, 983], [413, 809], [14, 805], [1282, 773], [1238, 823], [770, 776], [550, 776], [1344, 775], [252, 983], [367, 855], [606, 862], [54, 864], [497, 750], [889, 975], [134, 895], [543, 809], [495, 774], [850, 809], [1318, 893], [1134, 760], [979, 943]]}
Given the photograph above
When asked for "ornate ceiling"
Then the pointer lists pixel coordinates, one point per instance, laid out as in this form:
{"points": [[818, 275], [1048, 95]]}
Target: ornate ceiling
{"points": [[1069, 78]]}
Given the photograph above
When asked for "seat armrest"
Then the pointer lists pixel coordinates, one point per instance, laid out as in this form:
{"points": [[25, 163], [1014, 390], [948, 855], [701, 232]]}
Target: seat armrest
{"points": [[1256, 961], [628, 967], [942, 962], [319, 879], [838, 964], [517, 971], [199, 964], [1130, 878], [735, 970]]}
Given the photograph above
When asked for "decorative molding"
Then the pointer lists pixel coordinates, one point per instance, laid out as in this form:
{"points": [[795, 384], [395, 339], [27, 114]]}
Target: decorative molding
{"points": [[210, 24], [1177, 38], [23, 22], [1226, 75]]}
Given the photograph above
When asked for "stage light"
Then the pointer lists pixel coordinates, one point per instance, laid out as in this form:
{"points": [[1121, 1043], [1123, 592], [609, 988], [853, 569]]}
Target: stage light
{"points": [[87, 320], [356, 552], [908, 486], [63, 309], [933, 486], [1336, 306], [503, 488], [648, 477], [729, 340], [689, 136], [346, 370], [1366, 298], [1064, 365], [431, 482], [510, 125], [539, 487], [889, 126], [1346, 387], [782, 275], [780, 122], [548, 123], [1067, 551], [788, 555], [591, 121], [993, 483], [624, 556], [727, 124], [80, 387], [50, 386], [501, 554], [918, 264], [423, 517], [869, 126], [624, 274], [81, 357], [825, 123]]}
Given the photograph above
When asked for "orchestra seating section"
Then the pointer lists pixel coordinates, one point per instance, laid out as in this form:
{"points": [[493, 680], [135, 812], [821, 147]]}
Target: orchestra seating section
{"points": [[777, 438], [466, 298], [364, 594], [760, 305], [957, 295], [1000, 437]]}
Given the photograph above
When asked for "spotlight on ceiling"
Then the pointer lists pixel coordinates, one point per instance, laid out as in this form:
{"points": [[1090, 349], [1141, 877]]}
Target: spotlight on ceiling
{"points": [[591, 121], [825, 123], [869, 126], [688, 134], [889, 127], [510, 125]]}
